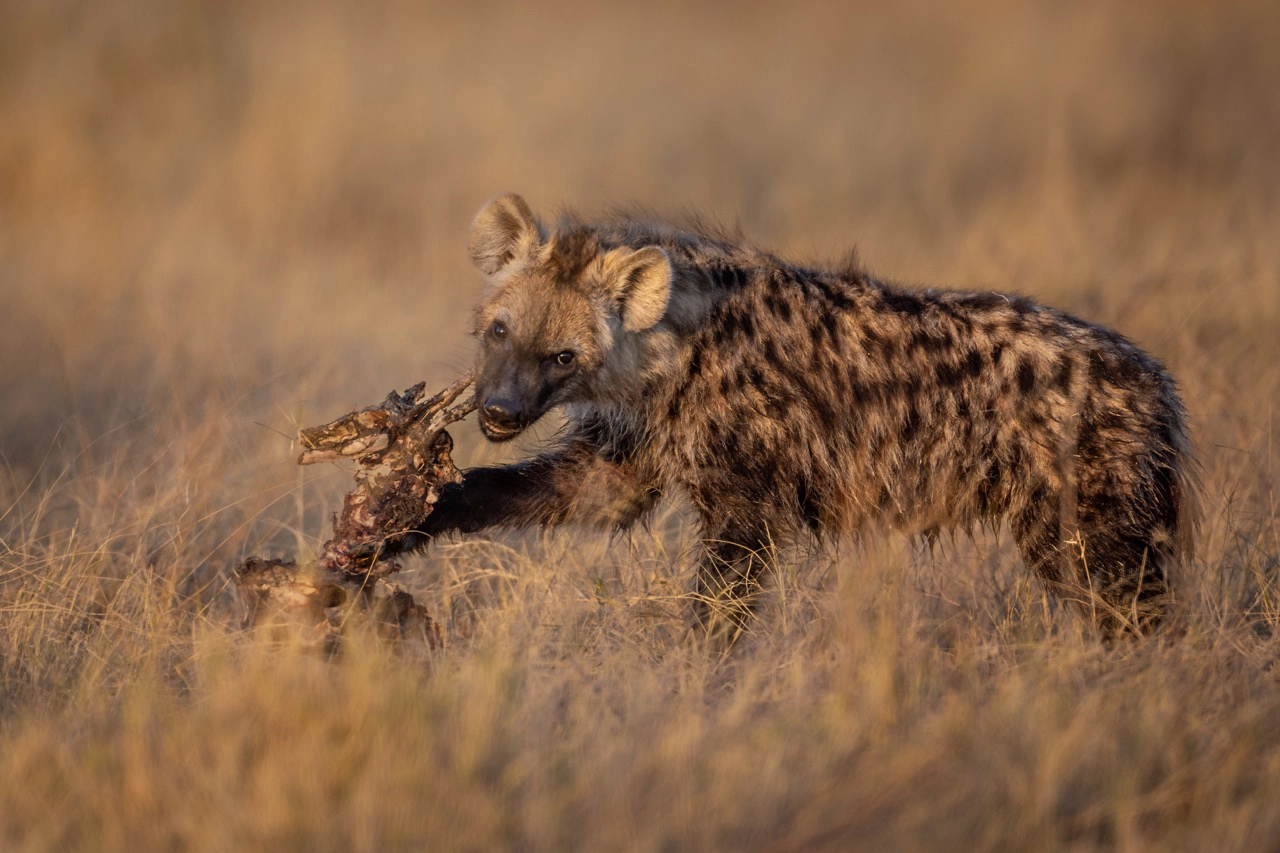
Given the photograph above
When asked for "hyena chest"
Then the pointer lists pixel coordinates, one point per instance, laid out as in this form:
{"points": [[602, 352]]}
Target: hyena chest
{"points": [[747, 448]]}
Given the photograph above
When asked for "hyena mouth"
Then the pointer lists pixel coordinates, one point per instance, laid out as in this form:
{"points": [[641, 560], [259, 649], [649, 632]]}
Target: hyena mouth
{"points": [[493, 432]]}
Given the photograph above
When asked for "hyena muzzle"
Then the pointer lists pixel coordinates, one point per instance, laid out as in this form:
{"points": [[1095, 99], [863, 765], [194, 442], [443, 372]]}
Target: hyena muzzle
{"points": [[784, 401]]}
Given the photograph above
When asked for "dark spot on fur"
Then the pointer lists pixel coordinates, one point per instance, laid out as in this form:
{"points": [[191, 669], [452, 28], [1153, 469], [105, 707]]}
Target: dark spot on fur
{"points": [[1026, 375], [832, 324], [1098, 369], [1065, 369], [933, 344], [922, 340], [958, 314], [948, 374], [826, 413], [780, 307], [730, 322], [1127, 370], [730, 277], [771, 354], [903, 303], [833, 293], [758, 448], [910, 424], [695, 362]]}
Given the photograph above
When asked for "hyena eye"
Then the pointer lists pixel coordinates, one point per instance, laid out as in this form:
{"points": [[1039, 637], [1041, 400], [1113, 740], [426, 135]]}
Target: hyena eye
{"points": [[498, 329], [564, 359]]}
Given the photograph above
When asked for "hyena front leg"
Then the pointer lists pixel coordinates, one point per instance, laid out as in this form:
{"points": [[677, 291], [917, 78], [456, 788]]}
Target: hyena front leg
{"points": [[574, 485], [727, 588]]}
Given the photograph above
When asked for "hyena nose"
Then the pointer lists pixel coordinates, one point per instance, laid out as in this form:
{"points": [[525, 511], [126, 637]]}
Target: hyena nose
{"points": [[501, 413]]}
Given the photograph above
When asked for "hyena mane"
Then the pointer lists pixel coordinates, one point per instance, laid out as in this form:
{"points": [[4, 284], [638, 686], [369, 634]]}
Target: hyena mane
{"points": [[784, 401]]}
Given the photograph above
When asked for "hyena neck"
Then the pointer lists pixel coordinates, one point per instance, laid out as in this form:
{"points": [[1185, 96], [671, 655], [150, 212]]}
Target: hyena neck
{"points": [[708, 272], [616, 431]]}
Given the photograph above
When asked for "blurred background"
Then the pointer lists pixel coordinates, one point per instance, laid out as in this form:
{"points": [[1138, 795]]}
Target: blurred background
{"points": [[221, 220]]}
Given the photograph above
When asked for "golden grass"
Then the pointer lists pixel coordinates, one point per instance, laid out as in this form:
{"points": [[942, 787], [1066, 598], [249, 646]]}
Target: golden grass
{"points": [[221, 221]]}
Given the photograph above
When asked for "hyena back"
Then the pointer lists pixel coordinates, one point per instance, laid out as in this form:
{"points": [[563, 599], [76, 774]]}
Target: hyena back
{"points": [[784, 401]]}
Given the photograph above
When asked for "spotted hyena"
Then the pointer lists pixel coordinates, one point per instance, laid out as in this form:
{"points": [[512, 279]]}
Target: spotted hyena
{"points": [[784, 401]]}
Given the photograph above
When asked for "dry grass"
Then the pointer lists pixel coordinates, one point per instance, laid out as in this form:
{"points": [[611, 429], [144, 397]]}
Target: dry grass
{"points": [[219, 221]]}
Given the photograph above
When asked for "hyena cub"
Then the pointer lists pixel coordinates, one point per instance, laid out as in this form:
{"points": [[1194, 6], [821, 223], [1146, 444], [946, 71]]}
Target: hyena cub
{"points": [[784, 401]]}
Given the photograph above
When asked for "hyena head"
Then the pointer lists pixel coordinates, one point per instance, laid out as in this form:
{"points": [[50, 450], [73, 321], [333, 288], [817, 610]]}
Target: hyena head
{"points": [[560, 308]]}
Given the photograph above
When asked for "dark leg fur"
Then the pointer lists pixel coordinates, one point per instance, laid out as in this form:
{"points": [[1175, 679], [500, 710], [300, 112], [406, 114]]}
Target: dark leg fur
{"points": [[728, 583], [574, 485], [1115, 576], [1126, 564]]}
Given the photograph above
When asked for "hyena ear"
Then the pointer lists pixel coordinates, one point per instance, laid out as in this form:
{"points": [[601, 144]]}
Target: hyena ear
{"points": [[502, 232], [640, 283]]}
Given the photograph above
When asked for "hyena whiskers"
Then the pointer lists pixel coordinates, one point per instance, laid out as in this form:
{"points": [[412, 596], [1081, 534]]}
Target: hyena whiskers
{"points": [[786, 402]]}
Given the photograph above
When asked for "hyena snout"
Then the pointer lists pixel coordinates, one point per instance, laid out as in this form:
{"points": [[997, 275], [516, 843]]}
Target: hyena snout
{"points": [[500, 417], [507, 408], [514, 393]]}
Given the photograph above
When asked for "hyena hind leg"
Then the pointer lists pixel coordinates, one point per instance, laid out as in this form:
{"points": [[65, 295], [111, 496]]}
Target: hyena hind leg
{"points": [[1114, 577]]}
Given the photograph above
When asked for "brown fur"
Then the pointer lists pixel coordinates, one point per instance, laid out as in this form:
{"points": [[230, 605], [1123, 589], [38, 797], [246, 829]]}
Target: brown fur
{"points": [[783, 401]]}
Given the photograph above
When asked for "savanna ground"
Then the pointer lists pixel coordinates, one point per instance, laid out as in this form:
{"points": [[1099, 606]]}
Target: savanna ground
{"points": [[221, 221]]}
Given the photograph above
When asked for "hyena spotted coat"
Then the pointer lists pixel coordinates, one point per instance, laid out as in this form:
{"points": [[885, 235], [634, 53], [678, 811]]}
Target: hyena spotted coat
{"points": [[784, 401]]}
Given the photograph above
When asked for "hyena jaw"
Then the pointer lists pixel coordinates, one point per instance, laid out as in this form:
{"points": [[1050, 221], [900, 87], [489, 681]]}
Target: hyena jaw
{"points": [[784, 401]]}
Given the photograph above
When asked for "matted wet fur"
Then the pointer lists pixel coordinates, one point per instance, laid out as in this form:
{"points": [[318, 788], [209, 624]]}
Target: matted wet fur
{"points": [[785, 401]]}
